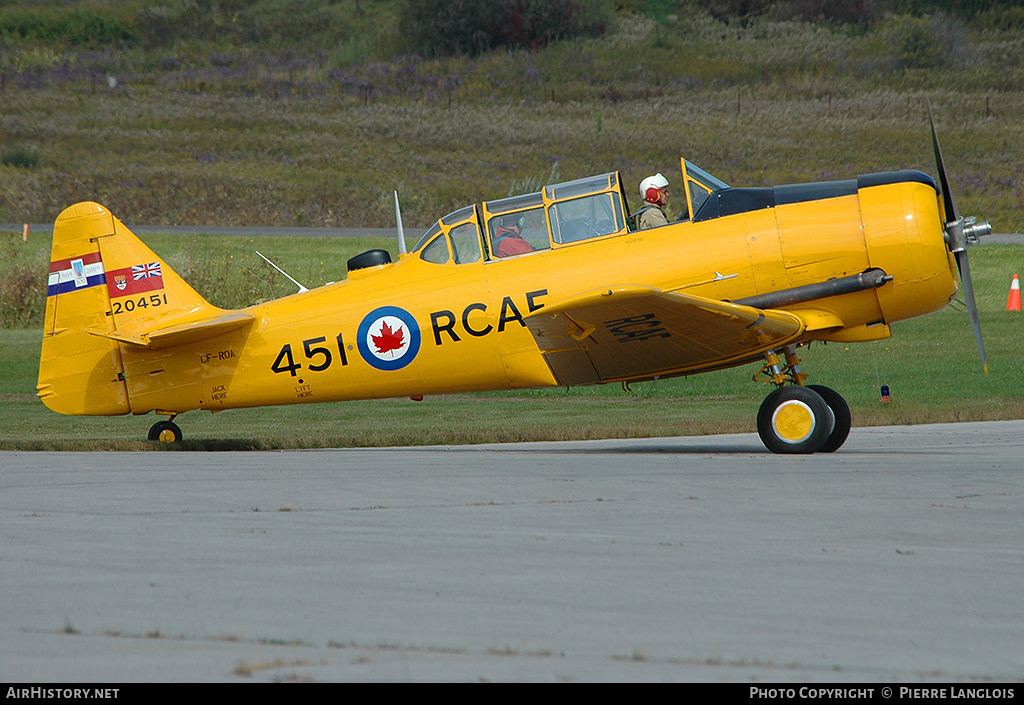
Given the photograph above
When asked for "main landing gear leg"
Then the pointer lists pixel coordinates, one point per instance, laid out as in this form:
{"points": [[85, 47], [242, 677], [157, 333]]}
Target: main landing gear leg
{"points": [[798, 418], [165, 431]]}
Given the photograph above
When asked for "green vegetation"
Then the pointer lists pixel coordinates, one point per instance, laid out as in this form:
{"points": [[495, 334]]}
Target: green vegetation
{"points": [[23, 270], [434, 27], [246, 112], [269, 112], [20, 156]]}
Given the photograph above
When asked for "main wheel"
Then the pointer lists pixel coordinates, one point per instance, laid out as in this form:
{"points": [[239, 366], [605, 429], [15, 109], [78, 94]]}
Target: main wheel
{"points": [[166, 431], [841, 413], [794, 420]]}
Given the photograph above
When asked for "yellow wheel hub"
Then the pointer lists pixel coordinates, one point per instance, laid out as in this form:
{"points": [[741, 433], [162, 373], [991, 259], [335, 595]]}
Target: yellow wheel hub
{"points": [[793, 421]]}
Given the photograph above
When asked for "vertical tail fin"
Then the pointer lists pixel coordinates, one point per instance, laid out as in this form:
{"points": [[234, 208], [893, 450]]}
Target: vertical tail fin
{"points": [[105, 286]]}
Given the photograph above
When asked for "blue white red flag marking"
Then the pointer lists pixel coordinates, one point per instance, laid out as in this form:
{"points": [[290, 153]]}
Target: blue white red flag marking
{"points": [[388, 338], [138, 279], [75, 273]]}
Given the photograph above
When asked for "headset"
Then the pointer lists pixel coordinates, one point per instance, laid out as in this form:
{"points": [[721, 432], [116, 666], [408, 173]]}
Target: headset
{"points": [[519, 222], [650, 187]]}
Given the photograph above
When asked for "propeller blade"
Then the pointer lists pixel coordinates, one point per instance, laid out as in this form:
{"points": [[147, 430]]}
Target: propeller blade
{"points": [[947, 194], [960, 234], [972, 307]]}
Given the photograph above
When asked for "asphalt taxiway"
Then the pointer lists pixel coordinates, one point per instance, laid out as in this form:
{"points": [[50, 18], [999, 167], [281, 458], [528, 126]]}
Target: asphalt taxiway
{"points": [[898, 558]]}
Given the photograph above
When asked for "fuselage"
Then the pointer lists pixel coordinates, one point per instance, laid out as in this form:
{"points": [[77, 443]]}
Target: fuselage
{"points": [[464, 323]]}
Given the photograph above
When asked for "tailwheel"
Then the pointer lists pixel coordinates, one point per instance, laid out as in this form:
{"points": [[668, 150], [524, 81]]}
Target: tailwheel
{"points": [[842, 418], [794, 420], [165, 431]]}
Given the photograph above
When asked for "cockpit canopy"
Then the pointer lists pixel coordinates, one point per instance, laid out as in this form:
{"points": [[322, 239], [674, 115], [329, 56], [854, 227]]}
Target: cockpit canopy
{"points": [[560, 215], [557, 216]]}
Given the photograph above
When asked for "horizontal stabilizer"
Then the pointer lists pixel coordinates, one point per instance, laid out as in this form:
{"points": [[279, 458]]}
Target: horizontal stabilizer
{"points": [[180, 334]]}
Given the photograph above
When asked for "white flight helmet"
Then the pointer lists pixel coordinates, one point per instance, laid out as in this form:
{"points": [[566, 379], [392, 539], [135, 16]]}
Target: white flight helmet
{"points": [[650, 186]]}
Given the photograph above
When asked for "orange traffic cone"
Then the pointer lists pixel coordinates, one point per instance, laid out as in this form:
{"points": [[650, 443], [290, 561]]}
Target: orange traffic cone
{"points": [[1013, 302]]}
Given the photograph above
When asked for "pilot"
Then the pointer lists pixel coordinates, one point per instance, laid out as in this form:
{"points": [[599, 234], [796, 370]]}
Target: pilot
{"points": [[508, 239], [654, 191]]}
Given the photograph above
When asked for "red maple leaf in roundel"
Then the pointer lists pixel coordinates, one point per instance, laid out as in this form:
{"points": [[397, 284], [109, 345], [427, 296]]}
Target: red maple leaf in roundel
{"points": [[388, 339]]}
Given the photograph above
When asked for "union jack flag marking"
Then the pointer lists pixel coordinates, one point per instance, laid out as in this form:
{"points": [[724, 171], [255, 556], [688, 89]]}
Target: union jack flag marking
{"points": [[144, 271]]}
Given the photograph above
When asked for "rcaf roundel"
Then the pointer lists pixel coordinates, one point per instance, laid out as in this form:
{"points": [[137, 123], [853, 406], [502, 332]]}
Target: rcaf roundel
{"points": [[389, 338]]}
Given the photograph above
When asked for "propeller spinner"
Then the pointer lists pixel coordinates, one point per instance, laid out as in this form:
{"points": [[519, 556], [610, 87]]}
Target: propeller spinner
{"points": [[960, 233]]}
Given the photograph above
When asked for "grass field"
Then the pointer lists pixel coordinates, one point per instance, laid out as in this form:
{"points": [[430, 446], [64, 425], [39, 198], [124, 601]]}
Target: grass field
{"points": [[931, 366]]}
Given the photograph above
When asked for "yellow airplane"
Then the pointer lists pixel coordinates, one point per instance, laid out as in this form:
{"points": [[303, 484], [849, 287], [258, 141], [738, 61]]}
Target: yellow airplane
{"points": [[585, 298]]}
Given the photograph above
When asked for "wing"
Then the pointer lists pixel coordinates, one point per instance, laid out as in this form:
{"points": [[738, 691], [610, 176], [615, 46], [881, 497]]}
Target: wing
{"points": [[637, 332]]}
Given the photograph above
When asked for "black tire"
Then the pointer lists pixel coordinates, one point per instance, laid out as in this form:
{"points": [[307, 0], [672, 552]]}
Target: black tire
{"points": [[166, 431], [794, 420], [843, 418]]}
